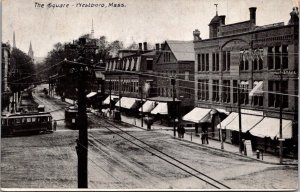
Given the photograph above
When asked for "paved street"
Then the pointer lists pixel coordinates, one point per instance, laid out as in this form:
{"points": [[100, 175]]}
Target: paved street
{"points": [[118, 160]]}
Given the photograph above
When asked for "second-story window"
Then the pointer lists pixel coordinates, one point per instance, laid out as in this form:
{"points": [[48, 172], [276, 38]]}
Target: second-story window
{"points": [[203, 92], [186, 75], [215, 87], [244, 92], [226, 91], [275, 93]]}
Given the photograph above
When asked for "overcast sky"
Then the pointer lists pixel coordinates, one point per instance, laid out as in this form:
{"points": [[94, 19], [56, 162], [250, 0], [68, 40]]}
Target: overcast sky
{"points": [[140, 20]]}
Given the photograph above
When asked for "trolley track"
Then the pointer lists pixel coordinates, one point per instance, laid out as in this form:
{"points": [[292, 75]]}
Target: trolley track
{"points": [[133, 140]]}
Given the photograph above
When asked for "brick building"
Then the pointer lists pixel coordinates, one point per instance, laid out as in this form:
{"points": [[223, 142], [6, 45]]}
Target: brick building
{"points": [[127, 74], [249, 57], [176, 60]]}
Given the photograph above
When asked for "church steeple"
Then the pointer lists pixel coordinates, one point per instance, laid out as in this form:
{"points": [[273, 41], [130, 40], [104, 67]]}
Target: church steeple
{"points": [[92, 31], [30, 52], [14, 41]]}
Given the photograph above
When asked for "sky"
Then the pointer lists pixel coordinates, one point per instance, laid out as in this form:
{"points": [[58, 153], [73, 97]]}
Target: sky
{"points": [[153, 21]]}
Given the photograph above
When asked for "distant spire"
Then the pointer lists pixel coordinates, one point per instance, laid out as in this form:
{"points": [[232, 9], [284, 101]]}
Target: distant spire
{"points": [[92, 31], [216, 8], [30, 52], [14, 41]]}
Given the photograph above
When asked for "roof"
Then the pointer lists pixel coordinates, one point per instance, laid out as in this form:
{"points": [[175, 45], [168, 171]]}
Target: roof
{"points": [[216, 19], [152, 53], [182, 50]]}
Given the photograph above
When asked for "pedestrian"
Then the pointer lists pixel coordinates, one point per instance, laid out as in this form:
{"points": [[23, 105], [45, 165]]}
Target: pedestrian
{"points": [[183, 131], [54, 125], [202, 137], [179, 132], [206, 137]]}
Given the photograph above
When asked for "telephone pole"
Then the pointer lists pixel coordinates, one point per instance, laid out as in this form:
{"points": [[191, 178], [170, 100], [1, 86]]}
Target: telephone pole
{"points": [[173, 108], [240, 118], [82, 142], [81, 70]]}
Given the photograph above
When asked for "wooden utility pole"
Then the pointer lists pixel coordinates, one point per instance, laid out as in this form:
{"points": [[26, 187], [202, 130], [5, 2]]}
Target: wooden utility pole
{"points": [[82, 70], [82, 143], [142, 115], [280, 116], [240, 118], [173, 108]]}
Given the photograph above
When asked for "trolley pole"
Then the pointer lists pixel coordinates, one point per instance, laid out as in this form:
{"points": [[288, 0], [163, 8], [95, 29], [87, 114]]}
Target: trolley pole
{"points": [[109, 87], [240, 119], [142, 118], [280, 117], [173, 108]]}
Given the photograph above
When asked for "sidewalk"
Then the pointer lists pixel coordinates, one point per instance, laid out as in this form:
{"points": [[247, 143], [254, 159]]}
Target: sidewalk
{"points": [[214, 144]]}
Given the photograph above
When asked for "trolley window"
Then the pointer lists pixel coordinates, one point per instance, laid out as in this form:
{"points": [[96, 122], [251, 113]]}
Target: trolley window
{"points": [[17, 121], [33, 119], [29, 120], [3, 122]]}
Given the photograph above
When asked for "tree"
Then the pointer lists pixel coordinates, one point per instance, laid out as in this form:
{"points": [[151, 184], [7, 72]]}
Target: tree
{"points": [[22, 72]]}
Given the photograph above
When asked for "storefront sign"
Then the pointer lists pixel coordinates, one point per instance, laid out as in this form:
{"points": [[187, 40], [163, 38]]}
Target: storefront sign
{"points": [[252, 112]]}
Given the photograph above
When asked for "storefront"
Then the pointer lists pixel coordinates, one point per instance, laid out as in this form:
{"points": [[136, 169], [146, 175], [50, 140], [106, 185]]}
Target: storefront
{"points": [[266, 134], [128, 105], [201, 117]]}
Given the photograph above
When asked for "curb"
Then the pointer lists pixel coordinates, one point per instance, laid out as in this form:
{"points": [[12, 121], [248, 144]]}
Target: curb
{"points": [[184, 140], [259, 160]]}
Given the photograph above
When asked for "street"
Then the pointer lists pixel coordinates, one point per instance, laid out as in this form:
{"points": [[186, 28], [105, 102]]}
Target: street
{"points": [[122, 156]]}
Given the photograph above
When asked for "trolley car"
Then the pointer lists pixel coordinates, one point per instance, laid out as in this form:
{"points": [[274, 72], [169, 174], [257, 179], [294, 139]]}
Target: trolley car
{"points": [[71, 116], [26, 123]]}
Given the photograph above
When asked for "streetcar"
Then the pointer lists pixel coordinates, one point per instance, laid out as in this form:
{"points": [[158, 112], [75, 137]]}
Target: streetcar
{"points": [[71, 116], [13, 124]]}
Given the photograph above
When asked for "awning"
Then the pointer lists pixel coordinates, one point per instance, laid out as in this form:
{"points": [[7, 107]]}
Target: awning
{"points": [[228, 120], [269, 127], [91, 94], [197, 115], [127, 102], [148, 106], [257, 90], [107, 100], [222, 111], [161, 108], [248, 122]]}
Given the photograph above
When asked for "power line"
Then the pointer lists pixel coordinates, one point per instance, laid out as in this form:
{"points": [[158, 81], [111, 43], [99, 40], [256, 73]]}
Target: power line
{"points": [[193, 81]]}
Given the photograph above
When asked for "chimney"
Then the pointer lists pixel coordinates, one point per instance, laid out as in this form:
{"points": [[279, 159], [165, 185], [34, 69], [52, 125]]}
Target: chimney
{"points": [[140, 46], [145, 46], [162, 46], [294, 20], [222, 19], [253, 14], [196, 35], [157, 46]]}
